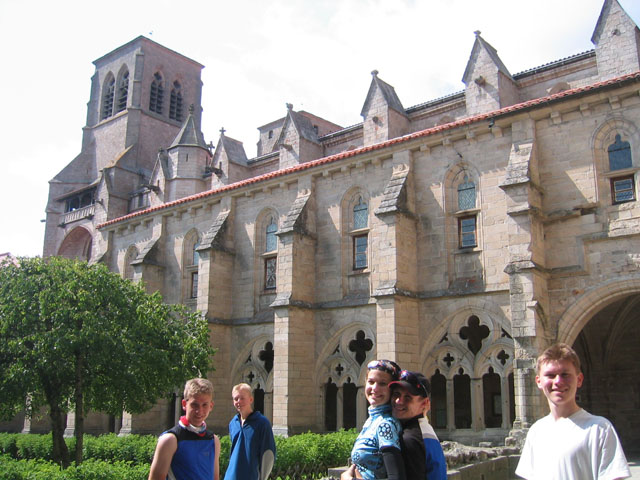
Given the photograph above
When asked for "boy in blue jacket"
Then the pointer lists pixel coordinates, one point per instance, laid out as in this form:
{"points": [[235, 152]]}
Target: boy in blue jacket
{"points": [[253, 448]]}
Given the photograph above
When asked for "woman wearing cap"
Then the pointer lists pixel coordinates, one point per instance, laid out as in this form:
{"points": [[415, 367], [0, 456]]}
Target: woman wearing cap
{"points": [[376, 451]]}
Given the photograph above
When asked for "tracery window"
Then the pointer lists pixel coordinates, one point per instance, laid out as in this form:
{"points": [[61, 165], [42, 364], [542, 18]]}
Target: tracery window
{"points": [[156, 95], [123, 92], [107, 97], [190, 261], [623, 188], [467, 231], [360, 239], [270, 258], [619, 154], [175, 103], [466, 194]]}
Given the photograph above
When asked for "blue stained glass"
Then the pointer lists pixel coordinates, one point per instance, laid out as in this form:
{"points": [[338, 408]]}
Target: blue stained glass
{"points": [[623, 190], [360, 215], [360, 251], [619, 154], [468, 232], [466, 195], [271, 240]]}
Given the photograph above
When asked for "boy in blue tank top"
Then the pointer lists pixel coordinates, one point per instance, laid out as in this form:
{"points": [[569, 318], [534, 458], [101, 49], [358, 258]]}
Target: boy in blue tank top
{"points": [[189, 451]]}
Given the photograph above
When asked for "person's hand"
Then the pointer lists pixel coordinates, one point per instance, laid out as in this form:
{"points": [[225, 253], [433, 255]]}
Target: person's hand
{"points": [[349, 474]]}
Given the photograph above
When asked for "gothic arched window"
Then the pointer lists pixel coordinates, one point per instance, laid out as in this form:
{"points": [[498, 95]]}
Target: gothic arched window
{"points": [[156, 95], [175, 103], [123, 92], [107, 97], [360, 239], [270, 258]]}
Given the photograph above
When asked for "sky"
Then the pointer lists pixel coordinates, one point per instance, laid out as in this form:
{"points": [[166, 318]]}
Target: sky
{"points": [[258, 55]]}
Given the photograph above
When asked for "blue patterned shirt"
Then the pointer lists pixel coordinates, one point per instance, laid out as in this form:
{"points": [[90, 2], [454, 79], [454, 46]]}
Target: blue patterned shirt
{"points": [[380, 431]]}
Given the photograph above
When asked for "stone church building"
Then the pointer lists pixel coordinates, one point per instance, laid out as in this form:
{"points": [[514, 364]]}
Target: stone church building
{"points": [[458, 237]]}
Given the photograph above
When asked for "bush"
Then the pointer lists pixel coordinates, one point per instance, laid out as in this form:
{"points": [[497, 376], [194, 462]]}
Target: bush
{"points": [[137, 449], [28, 456], [29, 469]]}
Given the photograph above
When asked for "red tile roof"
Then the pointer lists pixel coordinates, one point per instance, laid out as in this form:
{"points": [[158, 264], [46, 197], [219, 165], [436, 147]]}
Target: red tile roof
{"points": [[379, 146]]}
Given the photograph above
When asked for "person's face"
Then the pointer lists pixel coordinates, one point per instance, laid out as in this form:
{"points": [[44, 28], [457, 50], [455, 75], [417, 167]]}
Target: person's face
{"points": [[242, 400], [559, 381], [405, 406], [197, 408], [377, 388]]}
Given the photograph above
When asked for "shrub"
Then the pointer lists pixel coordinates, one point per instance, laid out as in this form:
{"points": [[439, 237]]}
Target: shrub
{"points": [[307, 455], [30, 469], [137, 449], [8, 444]]}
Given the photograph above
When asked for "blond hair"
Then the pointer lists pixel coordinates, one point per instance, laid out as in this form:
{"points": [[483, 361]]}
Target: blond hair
{"points": [[242, 386], [558, 353], [198, 386]]}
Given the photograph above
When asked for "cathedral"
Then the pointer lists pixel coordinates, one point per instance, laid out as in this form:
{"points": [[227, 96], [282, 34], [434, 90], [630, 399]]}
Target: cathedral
{"points": [[458, 237]]}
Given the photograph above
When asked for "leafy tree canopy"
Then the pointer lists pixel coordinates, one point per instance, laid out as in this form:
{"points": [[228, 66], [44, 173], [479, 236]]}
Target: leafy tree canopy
{"points": [[77, 336]]}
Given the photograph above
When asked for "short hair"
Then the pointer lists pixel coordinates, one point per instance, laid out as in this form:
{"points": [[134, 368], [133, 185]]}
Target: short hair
{"points": [[242, 386], [559, 352], [198, 386]]}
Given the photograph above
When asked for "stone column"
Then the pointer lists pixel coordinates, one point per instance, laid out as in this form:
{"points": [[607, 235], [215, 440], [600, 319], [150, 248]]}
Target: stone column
{"points": [[477, 405], [505, 398], [451, 414], [527, 274], [215, 268], [394, 268], [294, 393]]}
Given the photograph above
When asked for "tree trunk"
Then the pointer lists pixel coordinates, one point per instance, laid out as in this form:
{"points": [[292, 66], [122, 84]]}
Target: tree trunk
{"points": [[79, 400], [58, 425]]}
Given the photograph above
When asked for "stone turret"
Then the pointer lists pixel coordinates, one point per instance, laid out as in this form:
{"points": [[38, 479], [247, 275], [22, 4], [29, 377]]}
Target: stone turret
{"points": [[298, 140], [229, 162], [488, 84], [184, 163], [617, 42], [383, 115]]}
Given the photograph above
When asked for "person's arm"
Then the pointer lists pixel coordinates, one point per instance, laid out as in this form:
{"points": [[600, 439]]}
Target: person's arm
{"points": [[165, 449], [349, 473], [436, 461], [216, 461], [268, 451], [393, 463]]}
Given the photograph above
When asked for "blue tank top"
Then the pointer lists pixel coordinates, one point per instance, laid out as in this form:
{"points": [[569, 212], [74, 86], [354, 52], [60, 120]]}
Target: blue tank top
{"points": [[195, 456]]}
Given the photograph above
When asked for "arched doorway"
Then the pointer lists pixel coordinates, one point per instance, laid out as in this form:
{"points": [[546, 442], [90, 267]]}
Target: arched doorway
{"points": [[608, 347], [77, 244]]}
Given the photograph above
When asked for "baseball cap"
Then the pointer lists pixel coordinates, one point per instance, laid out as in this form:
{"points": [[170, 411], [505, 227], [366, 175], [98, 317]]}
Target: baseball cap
{"points": [[415, 382]]}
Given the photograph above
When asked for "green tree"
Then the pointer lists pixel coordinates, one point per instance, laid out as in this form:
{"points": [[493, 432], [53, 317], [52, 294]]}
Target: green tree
{"points": [[78, 337]]}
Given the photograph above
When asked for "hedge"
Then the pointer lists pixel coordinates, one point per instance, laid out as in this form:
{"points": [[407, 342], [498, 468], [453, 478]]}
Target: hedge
{"points": [[106, 457]]}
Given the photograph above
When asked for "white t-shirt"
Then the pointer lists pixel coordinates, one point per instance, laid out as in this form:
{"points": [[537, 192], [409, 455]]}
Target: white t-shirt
{"points": [[580, 447]]}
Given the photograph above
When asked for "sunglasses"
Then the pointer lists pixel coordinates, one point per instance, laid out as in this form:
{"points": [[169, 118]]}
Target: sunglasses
{"points": [[388, 366], [415, 381]]}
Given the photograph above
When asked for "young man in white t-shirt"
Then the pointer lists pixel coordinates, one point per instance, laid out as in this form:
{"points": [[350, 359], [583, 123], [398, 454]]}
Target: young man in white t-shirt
{"points": [[569, 443]]}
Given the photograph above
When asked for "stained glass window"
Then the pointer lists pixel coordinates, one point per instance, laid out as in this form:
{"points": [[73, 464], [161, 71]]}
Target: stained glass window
{"points": [[271, 242], [466, 195], [619, 154], [270, 265], [360, 215]]}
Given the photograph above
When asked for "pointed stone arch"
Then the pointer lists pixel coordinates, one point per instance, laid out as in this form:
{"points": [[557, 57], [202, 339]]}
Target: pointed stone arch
{"points": [[448, 353], [340, 365], [77, 244], [250, 367]]}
